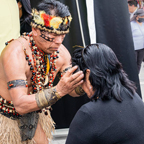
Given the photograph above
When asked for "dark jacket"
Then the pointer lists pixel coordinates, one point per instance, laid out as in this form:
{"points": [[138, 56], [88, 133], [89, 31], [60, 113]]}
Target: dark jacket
{"points": [[109, 122]]}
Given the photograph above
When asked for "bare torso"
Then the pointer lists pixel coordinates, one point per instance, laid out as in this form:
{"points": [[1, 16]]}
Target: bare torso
{"points": [[15, 51]]}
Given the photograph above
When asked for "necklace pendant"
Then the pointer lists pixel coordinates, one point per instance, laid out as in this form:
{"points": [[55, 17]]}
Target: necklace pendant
{"points": [[46, 80]]}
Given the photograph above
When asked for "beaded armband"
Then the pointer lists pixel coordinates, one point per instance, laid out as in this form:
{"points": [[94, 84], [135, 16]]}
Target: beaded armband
{"points": [[47, 97], [79, 90], [60, 74], [16, 83]]}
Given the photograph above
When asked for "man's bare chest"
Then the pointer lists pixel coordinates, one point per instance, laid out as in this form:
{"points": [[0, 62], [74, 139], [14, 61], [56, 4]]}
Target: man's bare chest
{"points": [[35, 76]]}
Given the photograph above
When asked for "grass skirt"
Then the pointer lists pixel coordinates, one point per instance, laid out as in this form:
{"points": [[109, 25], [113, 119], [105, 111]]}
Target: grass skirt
{"points": [[10, 134]]}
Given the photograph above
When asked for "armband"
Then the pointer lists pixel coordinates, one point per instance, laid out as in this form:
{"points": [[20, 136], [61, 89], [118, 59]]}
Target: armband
{"points": [[16, 83], [60, 74], [47, 97], [79, 90]]}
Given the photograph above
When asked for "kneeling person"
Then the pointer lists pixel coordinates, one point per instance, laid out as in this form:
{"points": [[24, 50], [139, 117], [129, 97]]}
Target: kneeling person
{"points": [[115, 112]]}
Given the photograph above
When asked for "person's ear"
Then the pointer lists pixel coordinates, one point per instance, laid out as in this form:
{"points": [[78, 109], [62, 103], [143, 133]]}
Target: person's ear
{"points": [[88, 84], [34, 30], [87, 76], [19, 5]]}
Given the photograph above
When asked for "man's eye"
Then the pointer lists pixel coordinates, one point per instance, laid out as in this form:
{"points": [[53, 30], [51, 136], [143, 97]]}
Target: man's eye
{"points": [[47, 38], [50, 39]]}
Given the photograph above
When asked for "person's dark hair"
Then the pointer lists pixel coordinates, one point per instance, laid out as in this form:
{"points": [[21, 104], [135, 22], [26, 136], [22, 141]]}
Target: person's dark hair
{"points": [[106, 73], [53, 7], [26, 17], [133, 3], [26, 10]]}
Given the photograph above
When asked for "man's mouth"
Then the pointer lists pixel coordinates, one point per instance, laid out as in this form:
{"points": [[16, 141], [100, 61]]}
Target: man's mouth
{"points": [[54, 48]]}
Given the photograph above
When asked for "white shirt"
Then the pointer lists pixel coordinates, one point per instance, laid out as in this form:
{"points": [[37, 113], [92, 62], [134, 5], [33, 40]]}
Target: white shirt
{"points": [[138, 35]]}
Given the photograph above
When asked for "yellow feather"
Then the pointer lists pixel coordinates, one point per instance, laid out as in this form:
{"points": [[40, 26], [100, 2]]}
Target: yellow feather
{"points": [[47, 70], [47, 66]]}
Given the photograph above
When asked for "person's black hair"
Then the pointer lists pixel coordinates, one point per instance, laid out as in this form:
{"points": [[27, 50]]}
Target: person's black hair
{"points": [[53, 7], [26, 10], [26, 18], [133, 3], [106, 73]]}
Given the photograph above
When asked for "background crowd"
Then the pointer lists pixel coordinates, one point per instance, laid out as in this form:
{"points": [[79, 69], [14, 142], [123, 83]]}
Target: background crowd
{"points": [[137, 25]]}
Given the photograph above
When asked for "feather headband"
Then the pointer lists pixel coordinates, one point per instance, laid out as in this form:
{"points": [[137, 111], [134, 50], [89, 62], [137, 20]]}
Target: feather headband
{"points": [[50, 23]]}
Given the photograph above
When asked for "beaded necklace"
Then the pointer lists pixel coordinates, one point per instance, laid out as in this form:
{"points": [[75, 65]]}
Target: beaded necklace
{"points": [[43, 69]]}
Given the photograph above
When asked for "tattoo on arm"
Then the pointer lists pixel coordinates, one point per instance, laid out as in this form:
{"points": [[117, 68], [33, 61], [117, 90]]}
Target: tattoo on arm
{"points": [[79, 90], [60, 74], [16, 83], [47, 97]]}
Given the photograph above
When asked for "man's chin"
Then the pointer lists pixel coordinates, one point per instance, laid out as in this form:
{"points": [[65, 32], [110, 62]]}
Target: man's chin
{"points": [[50, 51], [54, 49]]}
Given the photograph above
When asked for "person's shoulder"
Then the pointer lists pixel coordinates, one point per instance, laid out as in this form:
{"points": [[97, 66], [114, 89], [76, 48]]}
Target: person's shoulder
{"points": [[88, 111], [90, 106], [14, 48], [63, 50], [64, 53]]}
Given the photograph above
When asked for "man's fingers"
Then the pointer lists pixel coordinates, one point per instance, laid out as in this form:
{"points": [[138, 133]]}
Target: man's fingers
{"points": [[79, 83], [71, 71], [77, 78]]}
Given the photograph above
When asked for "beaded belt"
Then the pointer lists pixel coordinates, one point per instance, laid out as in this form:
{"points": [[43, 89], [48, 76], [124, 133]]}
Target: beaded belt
{"points": [[7, 109]]}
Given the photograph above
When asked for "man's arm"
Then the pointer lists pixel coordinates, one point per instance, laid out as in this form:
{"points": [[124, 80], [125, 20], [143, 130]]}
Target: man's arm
{"points": [[15, 65], [78, 91]]}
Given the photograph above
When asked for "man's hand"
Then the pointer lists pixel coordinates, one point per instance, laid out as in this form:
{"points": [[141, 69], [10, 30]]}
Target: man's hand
{"points": [[69, 81]]}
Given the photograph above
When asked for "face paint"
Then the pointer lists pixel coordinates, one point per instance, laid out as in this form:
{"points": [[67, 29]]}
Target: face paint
{"points": [[47, 38]]}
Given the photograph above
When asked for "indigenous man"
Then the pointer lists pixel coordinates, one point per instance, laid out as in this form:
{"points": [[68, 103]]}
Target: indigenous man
{"points": [[28, 68]]}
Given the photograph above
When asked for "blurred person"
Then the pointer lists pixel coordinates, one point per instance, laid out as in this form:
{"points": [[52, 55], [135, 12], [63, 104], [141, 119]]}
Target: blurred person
{"points": [[28, 68], [9, 25], [137, 26], [115, 113], [25, 15], [132, 6]]}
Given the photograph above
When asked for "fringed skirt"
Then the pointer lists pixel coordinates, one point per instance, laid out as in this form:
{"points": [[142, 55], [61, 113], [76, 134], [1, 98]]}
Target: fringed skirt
{"points": [[10, 134]]}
